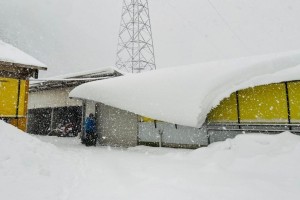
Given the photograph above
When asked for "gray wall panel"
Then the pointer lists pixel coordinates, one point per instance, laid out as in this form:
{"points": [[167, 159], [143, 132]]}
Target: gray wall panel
{"points": [[116, 127]]}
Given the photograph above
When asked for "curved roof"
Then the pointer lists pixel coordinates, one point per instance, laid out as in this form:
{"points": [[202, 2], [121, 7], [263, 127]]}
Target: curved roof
{"points": [[185, 95]]}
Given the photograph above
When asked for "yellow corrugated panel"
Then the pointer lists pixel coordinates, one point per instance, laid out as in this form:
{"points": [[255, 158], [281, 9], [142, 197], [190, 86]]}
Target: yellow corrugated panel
{"points": [[23, 101], [265, 103], [147, 119], [22, 124], [8, 97], [12, 105], [294, 97], [226, 111]]}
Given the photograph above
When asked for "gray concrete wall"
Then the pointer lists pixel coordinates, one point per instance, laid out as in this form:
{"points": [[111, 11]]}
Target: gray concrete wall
{"points": [[116, 127], [90, 108]]}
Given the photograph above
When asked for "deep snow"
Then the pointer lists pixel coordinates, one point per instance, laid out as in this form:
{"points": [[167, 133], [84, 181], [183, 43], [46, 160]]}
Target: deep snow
{"points": [[251, 166], [185, 95]]}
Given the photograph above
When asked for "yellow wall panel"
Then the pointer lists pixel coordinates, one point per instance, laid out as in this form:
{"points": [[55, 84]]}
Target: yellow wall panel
{"points": [[23, 101], [19, 123], [265, 103], [294, 97], [147, 119], [8, 97], [22, 123], [12, 105], [226, 111]]}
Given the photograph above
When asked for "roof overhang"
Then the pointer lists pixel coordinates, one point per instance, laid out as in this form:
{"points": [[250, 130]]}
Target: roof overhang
{"points": [[185, 95], [75, 79], [19, 71]]}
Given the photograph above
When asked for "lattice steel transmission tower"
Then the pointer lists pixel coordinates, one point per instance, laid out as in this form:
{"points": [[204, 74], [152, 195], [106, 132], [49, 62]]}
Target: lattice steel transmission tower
{"points": [[135, 47]]}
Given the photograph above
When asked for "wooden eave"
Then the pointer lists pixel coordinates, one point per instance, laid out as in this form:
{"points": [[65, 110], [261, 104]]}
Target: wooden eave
{"points": [[19, 71]]}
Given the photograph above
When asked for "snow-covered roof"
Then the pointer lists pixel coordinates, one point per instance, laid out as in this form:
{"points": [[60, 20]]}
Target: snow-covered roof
{"points": [[11, 54], [185, 95], [74, 79], [89, 73]]}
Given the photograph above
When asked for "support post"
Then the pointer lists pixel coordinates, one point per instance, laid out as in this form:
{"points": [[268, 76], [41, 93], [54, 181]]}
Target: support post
{"points": [[160, 132], [288, 104], [51, 122], [18, 103], [83, 119], [208, 137], [238, 108]]}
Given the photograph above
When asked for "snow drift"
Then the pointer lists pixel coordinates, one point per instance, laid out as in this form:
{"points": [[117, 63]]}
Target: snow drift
{"points": [[250, 166], [29, 168], [185, 95]]}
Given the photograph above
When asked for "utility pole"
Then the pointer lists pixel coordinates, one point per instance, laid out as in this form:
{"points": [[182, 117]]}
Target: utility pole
{"points": [[135, 46]]}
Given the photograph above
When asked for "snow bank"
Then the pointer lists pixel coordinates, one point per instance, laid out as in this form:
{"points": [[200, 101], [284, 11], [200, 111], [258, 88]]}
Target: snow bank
{"points": [[185, 95], [29, 168], [9, 53], [250, 166]]}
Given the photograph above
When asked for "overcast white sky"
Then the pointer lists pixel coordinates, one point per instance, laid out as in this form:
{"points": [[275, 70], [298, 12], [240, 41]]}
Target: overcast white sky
{"points": [[77, 35]]}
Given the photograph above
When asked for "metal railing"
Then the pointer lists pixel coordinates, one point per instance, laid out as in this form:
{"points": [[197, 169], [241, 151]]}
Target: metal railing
{"points": [[251, 128]]}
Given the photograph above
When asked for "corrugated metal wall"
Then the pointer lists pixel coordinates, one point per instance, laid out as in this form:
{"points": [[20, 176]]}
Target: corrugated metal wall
{"points": [[13, 101], [274, 103]]}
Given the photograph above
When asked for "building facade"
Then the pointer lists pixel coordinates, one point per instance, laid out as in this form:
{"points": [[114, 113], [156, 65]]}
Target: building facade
{"points": [[271, 108], [16, 68], [51, 110]]}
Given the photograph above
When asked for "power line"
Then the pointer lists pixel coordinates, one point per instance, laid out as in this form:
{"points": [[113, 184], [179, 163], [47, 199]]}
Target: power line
{"points": [[224, 21], [217, 50], [228, 25]]}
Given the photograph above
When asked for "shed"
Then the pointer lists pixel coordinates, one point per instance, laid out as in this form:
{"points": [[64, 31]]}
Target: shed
{"points": [[188, 98], [51, 109]]}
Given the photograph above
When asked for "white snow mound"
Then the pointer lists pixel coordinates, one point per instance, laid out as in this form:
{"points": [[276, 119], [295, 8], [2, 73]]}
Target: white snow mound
{"points": [[9, 53], [185, 95], [28, 167], [250, 166]]}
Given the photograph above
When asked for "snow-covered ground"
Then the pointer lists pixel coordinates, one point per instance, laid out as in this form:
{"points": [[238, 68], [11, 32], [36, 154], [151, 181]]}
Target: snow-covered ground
{"points": [[250, 166]]}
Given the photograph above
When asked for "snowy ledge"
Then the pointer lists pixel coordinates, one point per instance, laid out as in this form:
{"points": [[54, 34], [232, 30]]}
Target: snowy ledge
{"points": [[11, 54], [185, 95]]}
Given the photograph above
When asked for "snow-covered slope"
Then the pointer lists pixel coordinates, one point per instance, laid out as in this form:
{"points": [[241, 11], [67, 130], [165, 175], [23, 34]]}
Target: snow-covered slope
{"points": [[9, 53], [29, 168], [185, 95], [250, 166]]}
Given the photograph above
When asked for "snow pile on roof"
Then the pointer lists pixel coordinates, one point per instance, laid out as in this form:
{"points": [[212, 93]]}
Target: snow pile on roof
{"points": [[87, 74], [185, 95], [9, 53]]}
